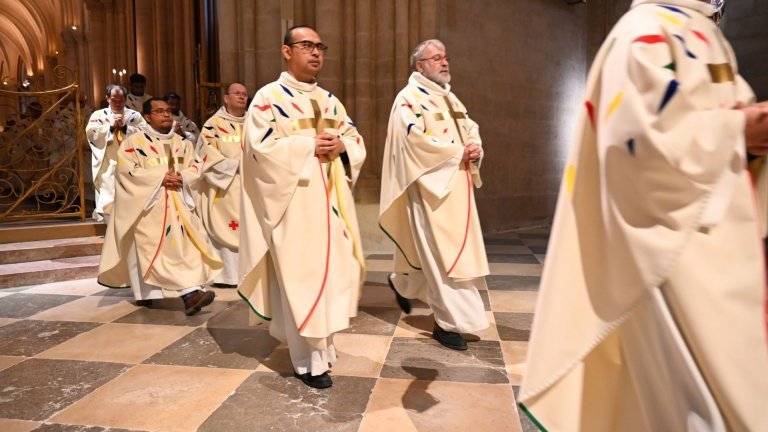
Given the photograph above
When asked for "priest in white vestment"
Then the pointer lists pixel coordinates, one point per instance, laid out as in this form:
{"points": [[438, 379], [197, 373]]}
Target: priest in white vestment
{"points": [[220, 148], [431, 166], [181, 124], [301, 262], [105, 130], [651, 313], [155, 242], [137, 84]]}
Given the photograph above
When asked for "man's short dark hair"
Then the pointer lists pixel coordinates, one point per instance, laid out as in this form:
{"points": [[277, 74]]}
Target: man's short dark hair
{"points": [[111, 87], [287, 37], [137, 78], [147, 107], [172, 95]]}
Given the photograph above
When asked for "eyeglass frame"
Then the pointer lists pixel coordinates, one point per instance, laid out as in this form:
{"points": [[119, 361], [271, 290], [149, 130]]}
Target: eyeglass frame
{"points": [[162, 111], [437, 58], [321, 47]]}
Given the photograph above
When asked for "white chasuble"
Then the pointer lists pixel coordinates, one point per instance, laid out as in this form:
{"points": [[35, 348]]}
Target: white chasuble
{"points": [[423, 150], [173, 249], [651, 312], [299, 209], [104, 142]]}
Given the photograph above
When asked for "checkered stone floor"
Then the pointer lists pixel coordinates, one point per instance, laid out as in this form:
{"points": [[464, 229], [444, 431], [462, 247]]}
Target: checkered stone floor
{"points": [[75, 356]]}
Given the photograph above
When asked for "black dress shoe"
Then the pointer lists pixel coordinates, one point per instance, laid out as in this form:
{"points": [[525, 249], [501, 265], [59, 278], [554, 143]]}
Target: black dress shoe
{"points": [[317, 381], [144, 303], [448, 339], [403, 302], [195, 301], [222, 285]]}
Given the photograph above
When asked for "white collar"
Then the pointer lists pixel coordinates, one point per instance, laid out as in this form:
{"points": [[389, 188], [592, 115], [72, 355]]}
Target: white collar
{"points": [[701, 6]]}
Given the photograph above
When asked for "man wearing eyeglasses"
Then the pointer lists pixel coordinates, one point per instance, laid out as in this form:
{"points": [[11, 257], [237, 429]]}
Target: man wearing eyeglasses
{"points": [[105, 130], [651, 312], [300, 256], [431, 167], [155, 242], [221, 149]]}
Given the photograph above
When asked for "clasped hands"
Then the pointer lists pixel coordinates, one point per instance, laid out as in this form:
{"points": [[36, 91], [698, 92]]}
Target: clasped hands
{"points": [[472, 152], [172, 181], [328, 147], [116, 121]]}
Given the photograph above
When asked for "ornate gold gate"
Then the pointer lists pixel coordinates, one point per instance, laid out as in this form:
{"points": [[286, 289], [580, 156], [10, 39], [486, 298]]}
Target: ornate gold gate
{"points": [[41, 152]]}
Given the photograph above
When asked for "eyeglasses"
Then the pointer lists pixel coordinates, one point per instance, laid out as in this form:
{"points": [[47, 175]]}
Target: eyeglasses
{"points": [[309, 46], [162, 111], [242, 95], [437, 59]]}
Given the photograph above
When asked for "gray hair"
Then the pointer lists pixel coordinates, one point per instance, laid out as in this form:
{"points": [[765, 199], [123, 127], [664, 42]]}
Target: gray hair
{"points": [[419, 50]]}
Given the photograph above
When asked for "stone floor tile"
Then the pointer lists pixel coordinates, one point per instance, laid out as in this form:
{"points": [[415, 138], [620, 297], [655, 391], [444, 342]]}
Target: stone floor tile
{"points": [[11, 425], [514, 358], [524, 258], [506, 249], [117, 343], [115, 292], [35, 389], [8, 361], [237, 316], [278, 361], [171, 312], [535, 241], [538, 249], [361, 355], [54, 427], [425, 359], [504, 241], [22, 305], [27, 338], [515, 269], [514, 283], [415, 406], [377, 294], [421, 322], [271, 402], [378, 265], [513, 301], [513, 326], [226, 294], [79, 287], [88, 309], [154, 397], [6, 321], [375, 321], [230, 348]]}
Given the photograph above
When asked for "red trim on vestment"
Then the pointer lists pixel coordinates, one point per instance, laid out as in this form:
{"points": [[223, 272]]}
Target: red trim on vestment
{"points": [[466, 228], [327, 251], [162, 236]]}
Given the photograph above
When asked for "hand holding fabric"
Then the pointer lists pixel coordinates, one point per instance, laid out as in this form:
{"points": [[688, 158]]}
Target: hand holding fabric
{"points": [[756, 128], [472, 152]]}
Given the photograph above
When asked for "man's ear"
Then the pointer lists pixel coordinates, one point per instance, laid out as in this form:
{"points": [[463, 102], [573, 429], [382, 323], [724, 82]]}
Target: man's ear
{"points": [[286, 50]]}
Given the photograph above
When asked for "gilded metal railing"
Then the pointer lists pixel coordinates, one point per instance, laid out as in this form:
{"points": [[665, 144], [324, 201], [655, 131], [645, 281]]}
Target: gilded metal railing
{"points": [[41, 152], [210, 99]]}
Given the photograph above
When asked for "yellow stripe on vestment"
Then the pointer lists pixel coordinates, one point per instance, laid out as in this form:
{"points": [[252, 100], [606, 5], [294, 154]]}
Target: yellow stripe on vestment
{"points": [[336, 167], [192, 237], [614, 104]]}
